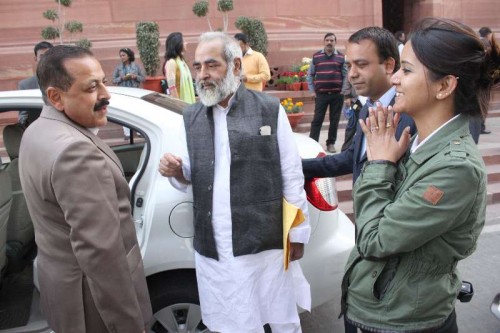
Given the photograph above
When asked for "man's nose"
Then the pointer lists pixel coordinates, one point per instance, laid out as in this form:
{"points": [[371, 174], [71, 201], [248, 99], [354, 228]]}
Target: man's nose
{"points": [[104, 93], [203, 73], [352, 72]]}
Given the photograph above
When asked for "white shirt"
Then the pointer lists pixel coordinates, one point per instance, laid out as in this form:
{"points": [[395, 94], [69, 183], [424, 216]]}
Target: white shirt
{"points": [[241, 294]]}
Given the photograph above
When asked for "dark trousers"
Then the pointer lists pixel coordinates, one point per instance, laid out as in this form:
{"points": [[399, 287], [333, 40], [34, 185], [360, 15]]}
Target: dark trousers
{"points": [[323, 100], [449, 326]]}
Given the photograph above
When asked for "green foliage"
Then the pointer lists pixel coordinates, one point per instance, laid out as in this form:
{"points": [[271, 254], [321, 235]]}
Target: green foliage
{"points": [[84, 42], [74, 26], [50, 33], [225, 5], [295, 67], [65, 3], [255, 31], [200, 8], [51, 14], [148, 44]]}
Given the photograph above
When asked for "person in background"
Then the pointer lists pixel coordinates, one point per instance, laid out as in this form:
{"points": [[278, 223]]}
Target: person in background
{"points": [[371, 58], [431, 195], [352, 106], [25, 117], [401, 38], [238, 184], [128, 74], [89, 263], [325, 77], [488, 39], [255, 71], [175, 69]]}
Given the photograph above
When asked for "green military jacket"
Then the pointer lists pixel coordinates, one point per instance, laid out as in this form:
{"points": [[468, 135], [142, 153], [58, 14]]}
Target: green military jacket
{"points": [[414, 223]]}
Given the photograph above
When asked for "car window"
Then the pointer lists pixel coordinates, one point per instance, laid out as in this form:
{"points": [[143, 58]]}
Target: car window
{"points": [[127, 143], [128, 148]]}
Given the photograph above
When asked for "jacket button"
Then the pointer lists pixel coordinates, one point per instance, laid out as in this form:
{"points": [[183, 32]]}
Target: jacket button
{"points": [[209, 214], [374, 274], [210, 187]]}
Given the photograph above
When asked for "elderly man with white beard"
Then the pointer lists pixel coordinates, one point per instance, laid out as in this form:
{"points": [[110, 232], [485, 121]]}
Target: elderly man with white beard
{"points": [[242, 161]]}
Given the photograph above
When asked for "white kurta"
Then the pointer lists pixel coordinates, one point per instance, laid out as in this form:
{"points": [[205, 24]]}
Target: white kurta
{"points": [[241, 294]]}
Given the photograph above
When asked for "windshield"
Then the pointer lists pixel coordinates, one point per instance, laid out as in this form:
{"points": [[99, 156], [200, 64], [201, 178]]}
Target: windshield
{"points": [[164, 101]]}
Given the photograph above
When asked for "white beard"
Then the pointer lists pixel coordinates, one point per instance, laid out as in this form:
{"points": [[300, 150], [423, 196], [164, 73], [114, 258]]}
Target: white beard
{"points": [[211, 96]]}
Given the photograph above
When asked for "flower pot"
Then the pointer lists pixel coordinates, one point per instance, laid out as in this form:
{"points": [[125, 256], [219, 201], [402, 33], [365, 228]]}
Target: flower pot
{"points": [[289, 86], [294, 118], [296, 86], [153, 83], [281, 86], [305, 86]]}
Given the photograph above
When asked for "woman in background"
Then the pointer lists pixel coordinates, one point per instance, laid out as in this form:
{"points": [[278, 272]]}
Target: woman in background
{"points": [[420, 203], [127, 73], [176, 71]]}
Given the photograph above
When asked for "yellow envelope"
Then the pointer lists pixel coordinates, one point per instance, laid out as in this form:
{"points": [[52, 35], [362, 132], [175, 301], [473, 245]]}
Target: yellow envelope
{"points": [[292, 217]]}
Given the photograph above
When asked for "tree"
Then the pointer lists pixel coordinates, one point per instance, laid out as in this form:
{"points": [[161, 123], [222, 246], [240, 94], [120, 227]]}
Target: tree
{"points": [[148, 44], [58, 18], [255, 31], [200, 9]]}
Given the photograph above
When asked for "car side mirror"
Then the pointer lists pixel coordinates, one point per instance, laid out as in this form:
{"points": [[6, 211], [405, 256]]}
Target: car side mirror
{"points": [[495, 306]]}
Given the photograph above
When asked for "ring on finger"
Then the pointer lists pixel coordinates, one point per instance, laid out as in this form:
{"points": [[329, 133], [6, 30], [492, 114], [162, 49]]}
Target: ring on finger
{"points": [[388, 125]]}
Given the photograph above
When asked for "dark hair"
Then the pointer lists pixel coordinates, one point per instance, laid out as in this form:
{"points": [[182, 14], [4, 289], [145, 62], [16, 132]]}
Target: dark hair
{"points": [[484, 31], [51, 71], [328, 34], [129, 53], [42, 46], [398, 34], [447, 47], [241, 37], [384, 40], [173, 47]]}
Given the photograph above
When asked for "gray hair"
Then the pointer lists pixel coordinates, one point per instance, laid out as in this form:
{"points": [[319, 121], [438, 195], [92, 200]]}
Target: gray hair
{"points": [[232, 49]]}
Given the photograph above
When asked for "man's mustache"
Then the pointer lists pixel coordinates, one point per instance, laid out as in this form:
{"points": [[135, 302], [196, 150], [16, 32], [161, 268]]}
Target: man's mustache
{"points": [[102, 103]]}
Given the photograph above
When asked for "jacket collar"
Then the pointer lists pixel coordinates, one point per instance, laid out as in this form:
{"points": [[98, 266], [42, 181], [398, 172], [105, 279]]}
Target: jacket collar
{"points": [[451, 134], [50, 112]]}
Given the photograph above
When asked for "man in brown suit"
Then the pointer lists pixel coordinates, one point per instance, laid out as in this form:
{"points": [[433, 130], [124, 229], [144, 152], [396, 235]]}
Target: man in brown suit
{"points": [[89, 262]]}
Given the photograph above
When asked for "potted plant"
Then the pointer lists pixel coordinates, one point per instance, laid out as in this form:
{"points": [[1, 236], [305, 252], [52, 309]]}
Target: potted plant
{"points": [[296, 84], [293, 111], [306, 63], [148, 44], [280, 83]]}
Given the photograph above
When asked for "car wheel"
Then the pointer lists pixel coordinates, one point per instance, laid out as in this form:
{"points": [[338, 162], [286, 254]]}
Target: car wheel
{"points": [[179, 318], [176, 305]]}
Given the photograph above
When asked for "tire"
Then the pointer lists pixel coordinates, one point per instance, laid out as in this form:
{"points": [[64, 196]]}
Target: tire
{"points": [[175, 302]]}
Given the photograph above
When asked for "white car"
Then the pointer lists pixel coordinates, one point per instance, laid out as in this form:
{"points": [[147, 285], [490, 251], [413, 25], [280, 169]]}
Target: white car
{"points": [[163, 216]]}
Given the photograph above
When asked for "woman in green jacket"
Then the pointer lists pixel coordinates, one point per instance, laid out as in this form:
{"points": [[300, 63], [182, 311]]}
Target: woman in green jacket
{"points": [[420, 203]]}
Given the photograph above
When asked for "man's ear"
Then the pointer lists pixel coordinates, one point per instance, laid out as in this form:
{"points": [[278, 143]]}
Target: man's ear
{"points": [[446, 86], [389, 64], [237, 65], [55, 98]]}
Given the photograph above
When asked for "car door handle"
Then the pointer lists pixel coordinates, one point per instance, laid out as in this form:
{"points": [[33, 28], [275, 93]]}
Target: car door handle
{"points": [[139, 222]]}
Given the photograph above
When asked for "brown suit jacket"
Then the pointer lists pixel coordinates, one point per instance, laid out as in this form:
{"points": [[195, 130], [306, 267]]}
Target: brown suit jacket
{"points": [[89, 263]]}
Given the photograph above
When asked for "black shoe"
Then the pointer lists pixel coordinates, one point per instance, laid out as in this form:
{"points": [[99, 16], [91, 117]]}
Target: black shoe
{"points": [[331, 148], [485, 132]]}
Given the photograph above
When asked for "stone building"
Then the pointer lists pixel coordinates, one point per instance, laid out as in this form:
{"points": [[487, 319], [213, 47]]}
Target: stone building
{"points": [[295, 28]]}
